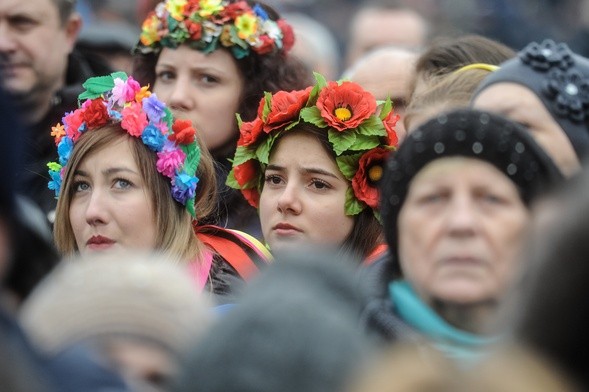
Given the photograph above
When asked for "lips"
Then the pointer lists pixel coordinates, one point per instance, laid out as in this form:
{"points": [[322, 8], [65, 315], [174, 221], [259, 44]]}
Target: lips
{"points": [[286, 229], [99, 242]]}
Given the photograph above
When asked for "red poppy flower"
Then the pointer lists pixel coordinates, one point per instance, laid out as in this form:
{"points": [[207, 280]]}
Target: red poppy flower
{"points": [[95, 114], [184, 133], [345, 106], [244, 174], [285, 108], [390, 122], [370, 169], [191, 7], [288, 37], [249, 132]]}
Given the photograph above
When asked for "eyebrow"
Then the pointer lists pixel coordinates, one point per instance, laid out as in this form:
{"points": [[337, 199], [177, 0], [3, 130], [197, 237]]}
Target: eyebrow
{"points": [[308, 170], [107, 172]]}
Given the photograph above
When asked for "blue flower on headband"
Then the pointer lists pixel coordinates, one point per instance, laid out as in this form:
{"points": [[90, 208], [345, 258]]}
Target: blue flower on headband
{"points": [[64, 149], [184, 187], [570, 93], [55, 183], [153, 138], [547, 55]]}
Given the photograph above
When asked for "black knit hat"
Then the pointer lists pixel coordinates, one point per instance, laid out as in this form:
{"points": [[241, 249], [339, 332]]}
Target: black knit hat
{"points": [[560, 79], [469, 133]]}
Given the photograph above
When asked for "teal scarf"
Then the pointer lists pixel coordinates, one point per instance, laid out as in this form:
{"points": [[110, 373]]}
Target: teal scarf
{"points": [[452, 342]]}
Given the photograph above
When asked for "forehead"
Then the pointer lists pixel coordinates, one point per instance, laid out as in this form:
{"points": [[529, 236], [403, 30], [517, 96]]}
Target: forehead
{"points": [[300, 147], [184, 55], [116, 151], [41, 8], [460, 170]]}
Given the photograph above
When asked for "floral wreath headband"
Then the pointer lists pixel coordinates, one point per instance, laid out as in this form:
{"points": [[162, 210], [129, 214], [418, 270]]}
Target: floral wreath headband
{"points": [[118, 99], [361, 132], [206, 25]]}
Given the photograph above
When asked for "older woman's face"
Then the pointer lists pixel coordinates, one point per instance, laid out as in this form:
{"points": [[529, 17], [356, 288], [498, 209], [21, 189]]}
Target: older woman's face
{"points": [[521, 105], [111, 207], [304, 195], [461, 229], [204, 88]]}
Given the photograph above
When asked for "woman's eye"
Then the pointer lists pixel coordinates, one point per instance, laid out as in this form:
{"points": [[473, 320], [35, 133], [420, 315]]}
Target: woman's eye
{"points": [[208, 79], [492, 199], [165, 76], [121, 183], [272, 179], [80, 186], [320, 184]]}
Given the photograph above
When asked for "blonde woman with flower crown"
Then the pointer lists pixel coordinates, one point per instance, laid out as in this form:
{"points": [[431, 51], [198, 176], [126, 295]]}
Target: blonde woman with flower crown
{"points": [[311, 162], [131, 176], [207, 60]]}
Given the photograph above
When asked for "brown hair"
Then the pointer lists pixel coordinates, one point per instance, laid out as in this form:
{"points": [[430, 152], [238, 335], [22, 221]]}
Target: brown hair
{"points": [[451, 91], [367, 231], [446, 55], [174, 223]]}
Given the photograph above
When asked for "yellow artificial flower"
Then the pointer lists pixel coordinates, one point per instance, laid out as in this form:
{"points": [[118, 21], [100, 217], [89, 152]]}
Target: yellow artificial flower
{"points": [[176, 8], [247, 25], [210, 7], [143, 93], [149, 31]]}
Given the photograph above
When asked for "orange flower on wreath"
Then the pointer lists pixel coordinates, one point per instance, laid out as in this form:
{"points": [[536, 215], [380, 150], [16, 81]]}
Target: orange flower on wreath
{"points": [[245, 174], [285, 108], [370, 170], [184, 133], [345, 106]]}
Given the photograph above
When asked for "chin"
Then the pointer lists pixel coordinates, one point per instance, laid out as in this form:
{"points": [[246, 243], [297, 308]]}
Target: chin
{"points": [[464, 293]]}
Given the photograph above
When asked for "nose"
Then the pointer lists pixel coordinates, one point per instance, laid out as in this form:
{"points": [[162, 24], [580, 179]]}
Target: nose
{"points": [[7, 41], [180, 97], [462, 217], [96, 209], [289, 201]]}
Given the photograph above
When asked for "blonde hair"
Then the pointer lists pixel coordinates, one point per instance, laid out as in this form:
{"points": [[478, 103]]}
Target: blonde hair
{"points": [[175, 235]]}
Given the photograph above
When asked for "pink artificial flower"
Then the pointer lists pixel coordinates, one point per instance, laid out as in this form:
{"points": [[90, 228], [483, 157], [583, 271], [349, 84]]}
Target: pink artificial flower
{"points": [[72, 122], [169, 161], [125, 91], [134, 119]]}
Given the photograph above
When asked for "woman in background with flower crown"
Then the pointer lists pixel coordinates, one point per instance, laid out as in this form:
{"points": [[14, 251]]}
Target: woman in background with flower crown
{"points": [[130, 176], [311, 162], [210, 59]]}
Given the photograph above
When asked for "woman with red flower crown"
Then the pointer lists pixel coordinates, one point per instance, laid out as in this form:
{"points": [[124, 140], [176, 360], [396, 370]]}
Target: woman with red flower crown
{"points": [[132, 177], [311, 161], [209, 60]]}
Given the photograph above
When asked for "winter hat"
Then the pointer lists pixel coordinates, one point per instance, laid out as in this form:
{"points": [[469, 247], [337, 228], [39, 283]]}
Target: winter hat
{"points": [[560, 79], [468, 133], [136, 296]]}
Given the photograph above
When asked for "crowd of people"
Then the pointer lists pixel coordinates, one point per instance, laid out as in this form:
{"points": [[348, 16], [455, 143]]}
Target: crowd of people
{"points": [[219, 207]]}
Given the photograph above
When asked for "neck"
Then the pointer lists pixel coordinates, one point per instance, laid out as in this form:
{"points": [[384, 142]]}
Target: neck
{"points": [[34, 107], [474, 318]]}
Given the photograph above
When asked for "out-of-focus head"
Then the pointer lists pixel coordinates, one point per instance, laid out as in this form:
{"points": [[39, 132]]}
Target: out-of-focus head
{"points": [[349, 133], [386, 73], [140, 313], [545, 88], [381, 24], [446, 92], [455, 204], [127, 172], [37, 37], [447, 55], [315, 45]]}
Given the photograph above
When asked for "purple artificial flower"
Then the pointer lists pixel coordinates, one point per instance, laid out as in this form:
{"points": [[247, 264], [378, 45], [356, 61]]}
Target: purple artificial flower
{"points": [[154, 108], [184, 187]]}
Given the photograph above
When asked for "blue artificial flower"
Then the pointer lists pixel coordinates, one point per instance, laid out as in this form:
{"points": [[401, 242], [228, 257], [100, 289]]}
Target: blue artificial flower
{"points": [[64, 150], [55, 183], [184, 187], [153, 138], [258, 10], [154, 108]]}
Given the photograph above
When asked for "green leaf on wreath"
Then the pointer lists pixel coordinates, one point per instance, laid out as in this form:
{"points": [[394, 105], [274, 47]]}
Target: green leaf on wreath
{"points": [[364, 142], [243, 154], [192, 157], [98, 85], [372, 126], [348, 164], [267, 105], [312, 115], [353, 206], [386, 108], [341, 141]]}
